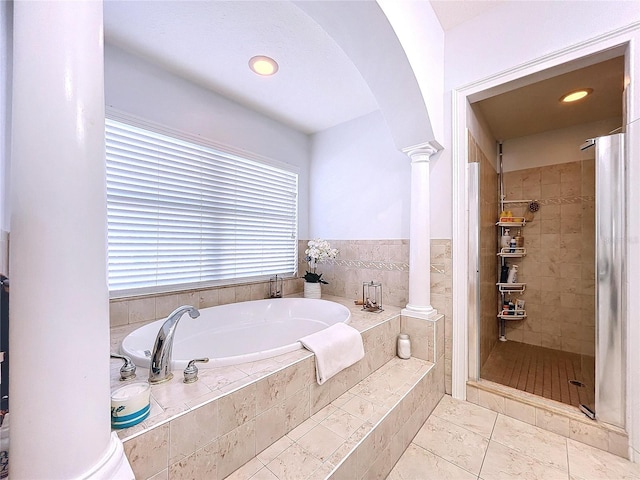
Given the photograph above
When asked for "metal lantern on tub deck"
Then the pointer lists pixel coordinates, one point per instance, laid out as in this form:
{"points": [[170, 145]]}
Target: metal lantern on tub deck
{"points": [[372, 296], [275, 287]]}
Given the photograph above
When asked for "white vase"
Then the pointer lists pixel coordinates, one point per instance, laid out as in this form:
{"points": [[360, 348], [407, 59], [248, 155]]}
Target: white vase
{"points": [[312, 290]]}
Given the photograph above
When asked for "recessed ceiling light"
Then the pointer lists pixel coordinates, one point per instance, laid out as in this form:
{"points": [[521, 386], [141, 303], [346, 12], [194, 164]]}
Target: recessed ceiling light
{"points": [[576, 95], [263, 65]]}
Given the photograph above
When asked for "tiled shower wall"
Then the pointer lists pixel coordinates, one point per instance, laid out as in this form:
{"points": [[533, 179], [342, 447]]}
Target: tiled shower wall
{"points": [[488, 241], [559, 268]]}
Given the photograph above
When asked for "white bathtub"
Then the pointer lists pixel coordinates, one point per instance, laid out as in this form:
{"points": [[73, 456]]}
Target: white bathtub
{"points": [[239, 332]]}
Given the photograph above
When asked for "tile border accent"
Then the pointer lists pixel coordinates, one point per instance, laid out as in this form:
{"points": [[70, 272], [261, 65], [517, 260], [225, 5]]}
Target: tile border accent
{"points": [[371, 265]]}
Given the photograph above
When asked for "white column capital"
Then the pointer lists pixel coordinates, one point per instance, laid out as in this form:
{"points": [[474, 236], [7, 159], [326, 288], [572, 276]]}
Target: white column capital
{"points": [[423, 151]]}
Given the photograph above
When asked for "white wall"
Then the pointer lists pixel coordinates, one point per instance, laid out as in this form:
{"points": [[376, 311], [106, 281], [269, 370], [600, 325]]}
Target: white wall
{"points": [[142, 89], [514, 33], [422, 38], [359, 182], [517, 31], [555, 146]]}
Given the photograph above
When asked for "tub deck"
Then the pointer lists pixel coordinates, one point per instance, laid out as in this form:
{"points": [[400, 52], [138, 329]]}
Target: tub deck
{"points": [[170, 399], [234, 414]]}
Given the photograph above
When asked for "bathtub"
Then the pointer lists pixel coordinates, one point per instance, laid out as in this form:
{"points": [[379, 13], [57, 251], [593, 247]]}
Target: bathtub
{"points": [[238, 332]]}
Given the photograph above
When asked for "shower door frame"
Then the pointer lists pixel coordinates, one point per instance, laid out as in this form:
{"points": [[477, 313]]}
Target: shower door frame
{"points": [[625, 41]]}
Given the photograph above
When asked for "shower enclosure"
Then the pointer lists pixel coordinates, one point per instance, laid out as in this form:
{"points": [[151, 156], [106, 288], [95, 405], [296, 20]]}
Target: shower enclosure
{"points": [[565, 342]]}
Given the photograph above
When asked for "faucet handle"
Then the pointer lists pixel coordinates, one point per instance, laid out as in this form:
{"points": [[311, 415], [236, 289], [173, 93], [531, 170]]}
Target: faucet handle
{"points": [[191, 372], [128, 370]]}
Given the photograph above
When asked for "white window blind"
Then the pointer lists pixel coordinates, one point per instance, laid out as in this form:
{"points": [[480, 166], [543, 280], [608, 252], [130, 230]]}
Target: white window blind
{"points": [[182, 214]]}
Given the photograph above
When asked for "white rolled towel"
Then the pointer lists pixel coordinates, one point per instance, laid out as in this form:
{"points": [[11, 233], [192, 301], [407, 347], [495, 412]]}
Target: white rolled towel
{"points": [[336, 348]]}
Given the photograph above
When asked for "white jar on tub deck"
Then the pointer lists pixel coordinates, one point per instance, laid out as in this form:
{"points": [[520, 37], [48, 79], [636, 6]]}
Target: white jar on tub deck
{"points": [[404, 346]]}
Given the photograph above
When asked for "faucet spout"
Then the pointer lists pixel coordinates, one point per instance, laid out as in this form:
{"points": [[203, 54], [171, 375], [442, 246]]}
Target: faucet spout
{"points": [[160, 368]]}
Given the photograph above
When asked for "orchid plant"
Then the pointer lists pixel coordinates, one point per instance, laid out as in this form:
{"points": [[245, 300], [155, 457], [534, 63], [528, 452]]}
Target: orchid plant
{"points": [[319, 251]]}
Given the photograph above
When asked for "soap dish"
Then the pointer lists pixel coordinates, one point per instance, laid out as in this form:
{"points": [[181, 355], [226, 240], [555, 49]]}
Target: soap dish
{"points": [[130, 404]]}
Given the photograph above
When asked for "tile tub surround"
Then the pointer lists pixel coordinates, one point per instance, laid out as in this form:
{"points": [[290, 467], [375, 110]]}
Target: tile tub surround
{"points": [[465, 441], [549, 415], [144, 309], [359, 261], [232, 413], [387, 261]]}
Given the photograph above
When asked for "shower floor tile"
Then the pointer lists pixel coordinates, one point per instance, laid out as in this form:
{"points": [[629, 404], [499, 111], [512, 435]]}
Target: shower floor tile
{"points": [[542, 371]]}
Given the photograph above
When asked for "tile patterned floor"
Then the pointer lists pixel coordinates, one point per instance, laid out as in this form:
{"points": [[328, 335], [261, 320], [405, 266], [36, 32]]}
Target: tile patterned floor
{"points": [[542, 371], [463, 441]]}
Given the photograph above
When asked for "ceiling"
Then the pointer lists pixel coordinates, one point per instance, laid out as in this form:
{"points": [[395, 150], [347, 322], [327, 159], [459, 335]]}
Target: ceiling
{"points": [[536, 108], [210, 43], [452, 13], [317, 85]]}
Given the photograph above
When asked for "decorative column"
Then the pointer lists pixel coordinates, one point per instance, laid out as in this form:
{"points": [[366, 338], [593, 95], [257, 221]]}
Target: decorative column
{"points": [[420, 232], [59, 328]]}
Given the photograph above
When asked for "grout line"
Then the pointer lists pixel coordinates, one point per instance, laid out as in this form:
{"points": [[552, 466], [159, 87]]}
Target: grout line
{"points": [[566, 445]]}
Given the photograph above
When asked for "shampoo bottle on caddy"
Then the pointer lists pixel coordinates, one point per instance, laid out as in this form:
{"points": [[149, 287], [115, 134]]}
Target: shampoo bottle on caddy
{"points": [[505, 239], [513, 274]]}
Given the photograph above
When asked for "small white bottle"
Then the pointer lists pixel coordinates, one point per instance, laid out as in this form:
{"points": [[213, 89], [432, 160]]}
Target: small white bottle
{"points": [[505, 239], [513, 274], [404, 346]]}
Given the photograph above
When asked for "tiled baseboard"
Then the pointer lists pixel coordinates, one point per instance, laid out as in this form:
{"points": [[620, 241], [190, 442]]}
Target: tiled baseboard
{"points": [[549, 415]]}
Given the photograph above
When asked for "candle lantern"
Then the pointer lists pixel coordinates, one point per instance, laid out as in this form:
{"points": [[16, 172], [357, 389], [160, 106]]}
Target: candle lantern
{"points": [[275, 287], [372, 296]]}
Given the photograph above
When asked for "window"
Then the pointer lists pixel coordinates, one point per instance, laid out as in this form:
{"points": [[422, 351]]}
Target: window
{"points": [[184, 215]]}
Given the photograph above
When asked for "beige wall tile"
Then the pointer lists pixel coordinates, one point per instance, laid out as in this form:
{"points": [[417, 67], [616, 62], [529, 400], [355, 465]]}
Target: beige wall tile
{"points": [[270, 391], [165, 304], [192, 431], [243, 293], [119, 313], [557, 268], [491, 401], [237, 408], [552, 422], [148, 453], [520, 411], [236, 448], [209, 298], [201, 464], [297, 409], [183, 469], [270, 426], [226, 295], [163, 475], [419, 331], [618, 444], [589, 434], [142, 309]]}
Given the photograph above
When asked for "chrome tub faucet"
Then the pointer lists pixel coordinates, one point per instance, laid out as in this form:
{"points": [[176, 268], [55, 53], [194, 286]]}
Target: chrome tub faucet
{"points": [[160, 368]]}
